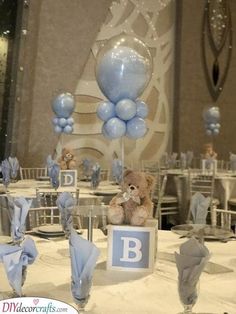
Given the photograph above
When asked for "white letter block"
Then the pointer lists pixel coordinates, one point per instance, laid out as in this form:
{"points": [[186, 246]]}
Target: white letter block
{"points": [[68, 179], [132, 248]]}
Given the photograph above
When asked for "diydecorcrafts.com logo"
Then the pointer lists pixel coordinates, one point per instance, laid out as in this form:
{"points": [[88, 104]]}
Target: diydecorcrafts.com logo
{"points": [[35, 305]]}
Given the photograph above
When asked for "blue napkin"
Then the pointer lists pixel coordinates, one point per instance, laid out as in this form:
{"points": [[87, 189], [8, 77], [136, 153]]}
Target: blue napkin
{"points": [[18, 210], [232, 159], [190, 263], [15, 259], [172, 160], [183, 160], [66, 203], [6, 171], [95, 176], [87, 167], [14, 166], [53, 171], [189, 158], [117, 170], [84, 255], [199, 207]]}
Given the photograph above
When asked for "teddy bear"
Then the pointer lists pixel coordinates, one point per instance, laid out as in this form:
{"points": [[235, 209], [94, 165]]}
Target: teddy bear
{"points": [[133, 205], [67, 160]]}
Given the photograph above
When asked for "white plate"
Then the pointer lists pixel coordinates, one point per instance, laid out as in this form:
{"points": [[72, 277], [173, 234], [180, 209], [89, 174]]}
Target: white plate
{"points": [[205, 231]]}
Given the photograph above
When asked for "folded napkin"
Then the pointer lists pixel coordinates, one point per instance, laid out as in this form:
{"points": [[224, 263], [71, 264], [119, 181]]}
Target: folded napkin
{"points": [[189, 158], [172, 160], [15, 259], [6, 172], [183, 160], [84, 255], [199, 207], [232, 159], [66, 203], [117, 170], [87, 167], [18, 210], [53, 171], [14, 166], [95, 176], [190, 263]]}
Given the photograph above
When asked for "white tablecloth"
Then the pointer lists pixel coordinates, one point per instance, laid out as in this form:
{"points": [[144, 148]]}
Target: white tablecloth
{"points": [[115, 292]]}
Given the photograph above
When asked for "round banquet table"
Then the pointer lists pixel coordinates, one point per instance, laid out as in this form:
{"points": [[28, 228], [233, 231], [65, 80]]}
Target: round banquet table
{"points": [[119, 292]]}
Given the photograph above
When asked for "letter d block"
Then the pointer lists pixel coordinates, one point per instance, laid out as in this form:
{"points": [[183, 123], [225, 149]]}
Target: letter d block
{"points": [[68, 178], [132, 248]]}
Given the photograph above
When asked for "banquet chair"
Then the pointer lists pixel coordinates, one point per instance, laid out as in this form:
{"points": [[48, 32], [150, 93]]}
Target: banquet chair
{"points": [[40, 216], [164, 205], [47, 211], [32, 173], [149, 166], [203, 183], [104, 174], [225, 217]]}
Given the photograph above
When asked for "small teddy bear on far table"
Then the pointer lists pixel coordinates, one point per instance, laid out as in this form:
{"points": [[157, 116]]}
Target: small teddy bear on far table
{"points": [[67, 161]]}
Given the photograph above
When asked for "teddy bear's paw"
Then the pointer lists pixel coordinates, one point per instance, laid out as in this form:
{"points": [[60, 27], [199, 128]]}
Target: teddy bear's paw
{"points": [[116, 215], [139, 216]]}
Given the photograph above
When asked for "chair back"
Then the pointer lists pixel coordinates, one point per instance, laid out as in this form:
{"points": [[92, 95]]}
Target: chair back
{"points": [[32, 173], [47, 211], [149, 166], [203, 183], [104, 174]]}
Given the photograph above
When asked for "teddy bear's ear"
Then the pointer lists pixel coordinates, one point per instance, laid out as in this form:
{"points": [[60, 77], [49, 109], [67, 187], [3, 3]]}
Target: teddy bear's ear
{"points": [[150, 180], [127, 172]]}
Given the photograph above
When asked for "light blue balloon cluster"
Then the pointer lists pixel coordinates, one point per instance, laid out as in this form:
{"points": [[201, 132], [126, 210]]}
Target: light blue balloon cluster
{"points": [[123, 70], [63, 106], [211, 118], [125, 118]]}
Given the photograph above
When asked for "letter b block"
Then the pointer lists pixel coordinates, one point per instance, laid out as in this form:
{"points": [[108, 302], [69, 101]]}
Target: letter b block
{"points": [[132, 248]]}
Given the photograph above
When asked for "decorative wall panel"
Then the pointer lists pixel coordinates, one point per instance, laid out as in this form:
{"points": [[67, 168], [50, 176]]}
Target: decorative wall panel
{"points": [[153, 22]]}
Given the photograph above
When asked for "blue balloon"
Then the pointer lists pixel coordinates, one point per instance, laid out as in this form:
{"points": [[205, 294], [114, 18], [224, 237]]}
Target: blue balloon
{"points": [[216, 131], [57, 129], [142, 109], [68, 129], [104, 132], [70, 121], [126, 109], [209, 132], [62, 122], [63, 105], [136, 128], [211, 115], [115, 128], [212, 126], [55, 121], [106, 110], [122, 73]]}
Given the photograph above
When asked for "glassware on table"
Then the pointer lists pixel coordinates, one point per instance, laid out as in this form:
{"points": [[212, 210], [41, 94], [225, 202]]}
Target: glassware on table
{"points": [[192, 300]]}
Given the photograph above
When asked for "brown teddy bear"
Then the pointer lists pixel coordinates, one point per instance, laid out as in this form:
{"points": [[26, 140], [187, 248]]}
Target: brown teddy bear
{"points": [[67, 160], [133, 205]]}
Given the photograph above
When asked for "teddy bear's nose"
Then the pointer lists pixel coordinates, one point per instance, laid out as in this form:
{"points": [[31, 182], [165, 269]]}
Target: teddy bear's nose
{"points": [[132, 187]]}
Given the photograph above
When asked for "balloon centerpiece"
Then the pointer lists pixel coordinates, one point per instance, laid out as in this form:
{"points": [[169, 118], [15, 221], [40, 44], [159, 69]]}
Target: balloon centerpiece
{"points": [[211, 118], [63, 106], [123, 70]]}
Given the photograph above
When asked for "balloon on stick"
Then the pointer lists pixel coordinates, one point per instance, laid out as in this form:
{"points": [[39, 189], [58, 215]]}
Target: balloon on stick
{"points": [[63, 106], [123, 70], [211, 116]]}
